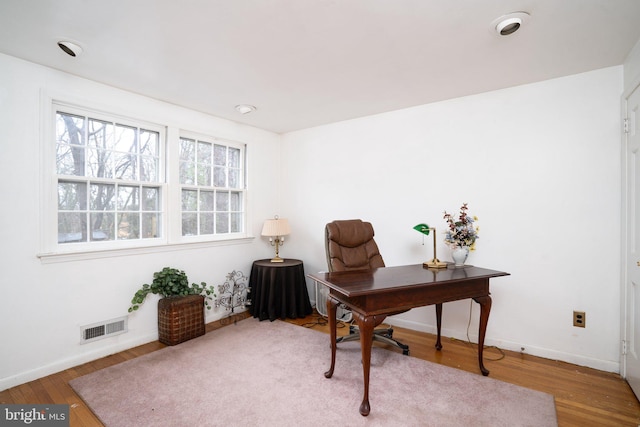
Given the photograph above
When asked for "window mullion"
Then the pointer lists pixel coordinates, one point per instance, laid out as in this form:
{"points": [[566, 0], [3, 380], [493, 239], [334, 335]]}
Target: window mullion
{"points": [[172, 202]]}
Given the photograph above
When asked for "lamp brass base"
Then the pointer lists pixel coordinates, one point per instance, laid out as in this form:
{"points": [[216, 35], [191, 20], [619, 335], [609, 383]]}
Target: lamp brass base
{"points": [[435, 263], [277, 259]]}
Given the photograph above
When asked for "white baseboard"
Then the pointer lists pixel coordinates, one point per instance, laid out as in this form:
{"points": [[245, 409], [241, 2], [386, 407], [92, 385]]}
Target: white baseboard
{"points": [[576, 359], [121, 344], [61, 365]]}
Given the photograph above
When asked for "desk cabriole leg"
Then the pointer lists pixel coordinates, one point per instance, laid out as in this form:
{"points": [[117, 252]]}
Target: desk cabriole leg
{"points": [[332, 306], [485, 309], [366, 326], [439, 325]]}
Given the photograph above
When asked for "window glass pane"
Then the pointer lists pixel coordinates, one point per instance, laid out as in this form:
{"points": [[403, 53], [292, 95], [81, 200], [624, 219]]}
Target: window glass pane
{"points": [[100, 163], [150, 199], [222, 223], [187, 173], [189, 200], [100, 134], [150, 225], [72, 227], [234, 158], [187, 150], [206, 200], [102, 226], [128, 198], [69, 129], [149, 143], [70, 145], [204, 152], [220, 177], [70, 160], [234, 178], [149, 169], [236, 222], [220, 155], [204, 174], [206, 223], [189, 224], [125, 139], [128, 226], [222, 201], [72, 196], [126, 166], [236, 201], [103, 197]]}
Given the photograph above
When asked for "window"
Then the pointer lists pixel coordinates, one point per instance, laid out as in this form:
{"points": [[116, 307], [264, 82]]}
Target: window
{"points": [[212, 187], [122, 183], [109, 176]]}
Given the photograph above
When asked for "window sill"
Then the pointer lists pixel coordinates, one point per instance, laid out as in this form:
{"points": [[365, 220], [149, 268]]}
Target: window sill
{"points": [[52, 258]]}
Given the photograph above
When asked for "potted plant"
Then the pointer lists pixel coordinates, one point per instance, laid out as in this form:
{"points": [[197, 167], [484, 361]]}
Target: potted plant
{"points": [[181, 308]]}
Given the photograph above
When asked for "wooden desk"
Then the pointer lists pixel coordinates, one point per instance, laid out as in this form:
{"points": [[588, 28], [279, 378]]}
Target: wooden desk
{"points": [[381, 291]]}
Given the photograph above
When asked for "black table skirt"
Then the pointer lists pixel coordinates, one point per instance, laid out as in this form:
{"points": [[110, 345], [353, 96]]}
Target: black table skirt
{"points": [[278, 290]]}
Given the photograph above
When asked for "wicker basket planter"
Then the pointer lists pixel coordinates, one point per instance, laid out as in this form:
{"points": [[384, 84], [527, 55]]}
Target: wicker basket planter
{"points": [[180, 318]]}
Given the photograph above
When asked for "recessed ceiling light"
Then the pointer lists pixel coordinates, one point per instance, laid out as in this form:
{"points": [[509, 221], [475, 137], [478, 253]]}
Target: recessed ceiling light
{"points": [[70, 48], [508, 24], [245, 108]]}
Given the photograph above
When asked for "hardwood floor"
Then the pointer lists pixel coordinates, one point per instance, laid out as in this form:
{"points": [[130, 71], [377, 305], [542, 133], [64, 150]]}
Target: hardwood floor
{"points": [[583, 396]]}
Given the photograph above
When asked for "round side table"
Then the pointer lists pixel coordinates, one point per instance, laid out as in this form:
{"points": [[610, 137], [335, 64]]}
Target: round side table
{"points": [[278, 290]]}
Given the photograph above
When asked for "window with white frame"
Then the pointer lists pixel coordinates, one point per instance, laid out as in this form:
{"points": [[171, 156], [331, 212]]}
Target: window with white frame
{"points": [[109, 178], [212, 187], [123, 183]]}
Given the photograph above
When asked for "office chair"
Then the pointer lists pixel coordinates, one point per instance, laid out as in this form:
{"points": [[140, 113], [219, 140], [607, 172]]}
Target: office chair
{"points": [[350, 246]]}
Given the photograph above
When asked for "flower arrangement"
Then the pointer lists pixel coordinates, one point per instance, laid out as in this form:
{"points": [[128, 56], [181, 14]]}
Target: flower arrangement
{"points": [[462, 232]]}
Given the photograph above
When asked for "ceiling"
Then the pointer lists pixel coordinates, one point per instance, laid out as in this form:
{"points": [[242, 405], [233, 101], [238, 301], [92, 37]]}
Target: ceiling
{"points": [[304, 63]]}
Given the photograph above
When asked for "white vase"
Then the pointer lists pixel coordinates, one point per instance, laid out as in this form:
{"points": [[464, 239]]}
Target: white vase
{"points": [[459, 255]]}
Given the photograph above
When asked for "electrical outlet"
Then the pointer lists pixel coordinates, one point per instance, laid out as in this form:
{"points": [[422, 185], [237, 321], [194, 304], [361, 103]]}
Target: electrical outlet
{"points": [[579, 319]]}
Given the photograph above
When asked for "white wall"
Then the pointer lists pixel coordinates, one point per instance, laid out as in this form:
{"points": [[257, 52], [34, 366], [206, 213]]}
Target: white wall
{"points": [[42, 306], [538, 164], [632, 68]]}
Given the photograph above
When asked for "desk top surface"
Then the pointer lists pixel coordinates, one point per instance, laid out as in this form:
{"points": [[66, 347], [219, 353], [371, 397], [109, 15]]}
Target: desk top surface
{"points": [[385, 279]]}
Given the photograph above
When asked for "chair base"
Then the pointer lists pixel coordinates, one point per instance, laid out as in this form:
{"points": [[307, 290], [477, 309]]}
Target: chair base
{"points": [[380, 335]]}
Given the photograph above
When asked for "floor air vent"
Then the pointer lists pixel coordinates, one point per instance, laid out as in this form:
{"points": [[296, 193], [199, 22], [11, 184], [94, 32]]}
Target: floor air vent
{"points": [[101, 330]]}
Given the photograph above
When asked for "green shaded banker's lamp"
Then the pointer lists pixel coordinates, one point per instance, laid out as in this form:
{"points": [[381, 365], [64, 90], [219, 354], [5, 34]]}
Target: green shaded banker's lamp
{"points": [[435, 262]]}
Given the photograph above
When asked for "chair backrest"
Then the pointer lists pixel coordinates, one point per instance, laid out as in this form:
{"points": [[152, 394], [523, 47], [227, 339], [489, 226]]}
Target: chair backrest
{"points": [[350, 246]]}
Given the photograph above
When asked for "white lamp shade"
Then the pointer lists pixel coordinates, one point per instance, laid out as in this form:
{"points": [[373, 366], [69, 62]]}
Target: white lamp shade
{"points": [[276, 227]]}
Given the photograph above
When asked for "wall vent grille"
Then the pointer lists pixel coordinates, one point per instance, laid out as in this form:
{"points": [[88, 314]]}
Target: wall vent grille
{"points": [[96, 331]]}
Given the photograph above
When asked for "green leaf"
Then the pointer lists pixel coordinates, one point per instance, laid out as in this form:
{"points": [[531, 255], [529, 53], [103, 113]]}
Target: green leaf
{"points": [[168, 282]]}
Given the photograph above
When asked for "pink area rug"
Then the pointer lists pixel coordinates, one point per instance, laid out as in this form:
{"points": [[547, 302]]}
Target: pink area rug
{"points": [[272, 374]]}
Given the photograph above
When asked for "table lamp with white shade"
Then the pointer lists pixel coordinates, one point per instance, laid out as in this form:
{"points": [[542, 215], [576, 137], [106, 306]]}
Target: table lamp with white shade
{"points": [[276, 229]]}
